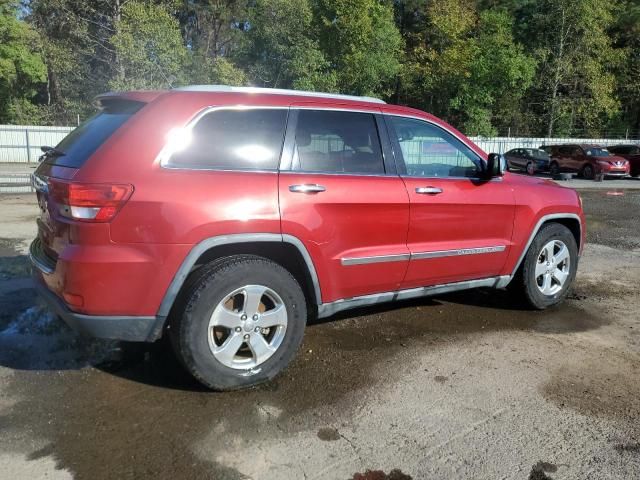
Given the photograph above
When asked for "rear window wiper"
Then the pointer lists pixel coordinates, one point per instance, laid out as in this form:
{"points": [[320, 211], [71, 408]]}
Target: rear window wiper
{"points": [[52, 151]]}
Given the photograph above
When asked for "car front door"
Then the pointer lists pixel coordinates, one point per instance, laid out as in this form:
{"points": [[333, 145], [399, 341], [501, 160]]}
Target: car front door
{"points": [[340, 195], [460, 224]]}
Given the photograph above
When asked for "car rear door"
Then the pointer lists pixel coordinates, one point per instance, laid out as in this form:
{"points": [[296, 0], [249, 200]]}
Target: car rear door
{"points": [[341, 197], [460, 226]]}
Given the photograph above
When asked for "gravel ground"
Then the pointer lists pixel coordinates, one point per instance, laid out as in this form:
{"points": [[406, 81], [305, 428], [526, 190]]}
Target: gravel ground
{"points": [[466, 385]]}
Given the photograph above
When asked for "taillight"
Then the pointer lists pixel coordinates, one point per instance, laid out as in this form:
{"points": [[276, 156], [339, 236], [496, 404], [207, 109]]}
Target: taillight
{"points": [[89, 202]]}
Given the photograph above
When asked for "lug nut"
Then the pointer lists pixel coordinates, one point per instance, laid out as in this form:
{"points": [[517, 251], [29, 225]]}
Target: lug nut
{"points": [[238, 329], [255, 317], [243, 317], [246, 336], [257, 330]]}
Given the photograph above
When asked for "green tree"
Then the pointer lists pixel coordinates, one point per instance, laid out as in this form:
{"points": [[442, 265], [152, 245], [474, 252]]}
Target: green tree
{"points": [[149, 48], [575, 84], [281, 51], [362, 43], [627, 37], [22, 70], [499, 75]]}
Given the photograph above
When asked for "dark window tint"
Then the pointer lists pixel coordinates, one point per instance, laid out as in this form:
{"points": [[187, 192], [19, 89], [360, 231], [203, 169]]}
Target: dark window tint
{"points": [[337, 142], [565, 150], [80, 144], [537, 153], [429, 151], [235, 140], [598, 152], [621, 150]]}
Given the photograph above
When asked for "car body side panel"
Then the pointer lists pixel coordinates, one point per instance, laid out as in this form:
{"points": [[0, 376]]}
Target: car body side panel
{"points": [[535, 199]]}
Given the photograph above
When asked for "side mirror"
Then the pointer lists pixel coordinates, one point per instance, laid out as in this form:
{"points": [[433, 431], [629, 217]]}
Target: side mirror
{"points": [[496, 165]]}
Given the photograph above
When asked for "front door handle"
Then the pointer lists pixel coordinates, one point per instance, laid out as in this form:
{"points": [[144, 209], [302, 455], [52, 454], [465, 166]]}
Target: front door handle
{"points": [[428, 190], [307, 188]]}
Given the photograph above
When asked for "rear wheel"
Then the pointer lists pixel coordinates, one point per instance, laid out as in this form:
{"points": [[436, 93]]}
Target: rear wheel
{"points": [[588, 172], [243, 321], [554, 168], [549, 267]]}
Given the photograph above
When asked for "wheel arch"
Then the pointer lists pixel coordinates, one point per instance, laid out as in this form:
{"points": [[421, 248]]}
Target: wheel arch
{"points": [[286, 250], [569, 220]]}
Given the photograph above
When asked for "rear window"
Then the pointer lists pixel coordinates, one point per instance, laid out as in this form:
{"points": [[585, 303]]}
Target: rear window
{"points": [[235, 140], [80, 144]]}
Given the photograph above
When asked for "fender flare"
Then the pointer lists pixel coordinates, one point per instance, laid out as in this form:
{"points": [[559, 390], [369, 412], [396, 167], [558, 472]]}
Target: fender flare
{"points": [[211, 242], [534, 232]]}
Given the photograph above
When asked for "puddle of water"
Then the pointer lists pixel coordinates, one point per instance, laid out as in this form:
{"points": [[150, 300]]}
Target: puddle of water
{"points": [[141, 415], [38, 340], [394, 474]]}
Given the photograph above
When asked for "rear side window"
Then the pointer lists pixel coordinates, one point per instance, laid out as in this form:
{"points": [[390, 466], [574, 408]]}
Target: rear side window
{"points": [[80, 144], [234, 140], [337, 142]]}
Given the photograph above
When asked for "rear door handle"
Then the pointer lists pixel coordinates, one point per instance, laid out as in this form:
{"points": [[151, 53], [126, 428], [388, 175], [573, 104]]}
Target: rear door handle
{"points": [[428, 190], [307, 188]]}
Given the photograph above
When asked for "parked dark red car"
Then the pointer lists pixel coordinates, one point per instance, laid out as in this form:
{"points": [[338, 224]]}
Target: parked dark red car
{"points": [[224, 217], [586, 160], [631, 153]]}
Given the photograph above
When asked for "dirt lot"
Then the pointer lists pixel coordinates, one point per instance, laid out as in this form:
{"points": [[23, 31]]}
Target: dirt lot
{"points": [[459, 386]]}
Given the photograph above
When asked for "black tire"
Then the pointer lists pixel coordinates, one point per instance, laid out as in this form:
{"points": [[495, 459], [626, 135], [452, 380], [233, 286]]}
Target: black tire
{"points": [[189, 328], [530, 168], [524, 284], [554, 169], [588, 172]]}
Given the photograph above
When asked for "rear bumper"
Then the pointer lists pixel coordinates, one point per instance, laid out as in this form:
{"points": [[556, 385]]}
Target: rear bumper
{"points": [[125, 328], [130, 328]]}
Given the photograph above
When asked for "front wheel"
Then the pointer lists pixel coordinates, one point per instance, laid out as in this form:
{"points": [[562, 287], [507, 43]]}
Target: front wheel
{"points": [[531, 169], [554, 169], [588, 172], [549, 267], [242, 323]]}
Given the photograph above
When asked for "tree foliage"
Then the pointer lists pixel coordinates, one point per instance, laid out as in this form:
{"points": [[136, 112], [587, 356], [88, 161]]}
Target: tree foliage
{"points": [[538, 67], [21, 66]]}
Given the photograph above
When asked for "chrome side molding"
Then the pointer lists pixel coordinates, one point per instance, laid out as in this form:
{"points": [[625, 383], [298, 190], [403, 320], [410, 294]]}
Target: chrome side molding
{"points": [[401, 257], [346, 261], [328, 309]]}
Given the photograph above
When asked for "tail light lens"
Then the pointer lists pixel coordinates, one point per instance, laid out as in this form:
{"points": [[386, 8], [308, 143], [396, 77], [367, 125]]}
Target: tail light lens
{"points": [[89, 202]]}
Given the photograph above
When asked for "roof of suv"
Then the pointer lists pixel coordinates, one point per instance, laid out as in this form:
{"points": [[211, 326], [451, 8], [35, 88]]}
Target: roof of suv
{"points": [[303, 95]]}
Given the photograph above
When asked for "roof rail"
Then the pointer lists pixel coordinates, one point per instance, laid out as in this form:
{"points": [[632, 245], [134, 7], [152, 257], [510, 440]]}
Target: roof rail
{"points": [[275, 91]]}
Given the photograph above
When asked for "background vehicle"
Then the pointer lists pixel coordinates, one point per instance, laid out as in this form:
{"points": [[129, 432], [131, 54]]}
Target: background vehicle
{"points": [[631, 153], [586, 160], [230, 225], [531, 160]]}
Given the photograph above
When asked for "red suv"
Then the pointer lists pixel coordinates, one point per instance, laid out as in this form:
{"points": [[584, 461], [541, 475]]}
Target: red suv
{"points": [[586, 160], [225, 217], [631, 153]]}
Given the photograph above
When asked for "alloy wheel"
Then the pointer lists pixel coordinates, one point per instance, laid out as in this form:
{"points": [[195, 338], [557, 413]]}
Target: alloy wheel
{"points": [[552, 267], [247, 327], [530, 168]]}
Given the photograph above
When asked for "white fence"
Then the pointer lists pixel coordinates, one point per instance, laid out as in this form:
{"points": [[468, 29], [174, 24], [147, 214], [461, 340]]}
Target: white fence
{"points": [[21, 143]]}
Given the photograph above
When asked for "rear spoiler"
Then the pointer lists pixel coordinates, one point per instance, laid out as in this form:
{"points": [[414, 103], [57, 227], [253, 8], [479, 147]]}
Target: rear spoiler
{"points": [[114, 98]]}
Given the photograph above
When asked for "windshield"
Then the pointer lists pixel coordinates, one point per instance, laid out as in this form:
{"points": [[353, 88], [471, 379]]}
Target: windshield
{"points": [[79, 145], [598, 152]]}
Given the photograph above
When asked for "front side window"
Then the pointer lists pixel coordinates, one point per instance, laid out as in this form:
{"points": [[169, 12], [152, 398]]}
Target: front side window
{"points": [[598, 152], [234, 140], [429, 151], [329, 141]]}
